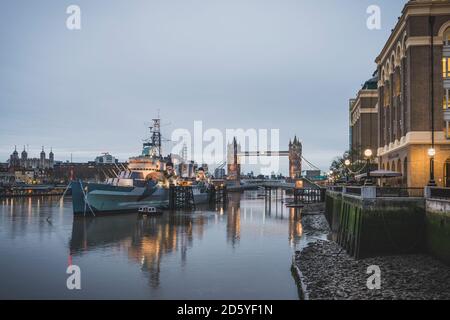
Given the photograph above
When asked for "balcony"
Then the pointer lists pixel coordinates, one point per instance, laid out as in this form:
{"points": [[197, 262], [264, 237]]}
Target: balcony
{"points": [[447, 115], [446, 51], [446, 83]]}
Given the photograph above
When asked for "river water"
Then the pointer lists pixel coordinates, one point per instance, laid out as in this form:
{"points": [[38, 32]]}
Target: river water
{"points": [[242, 252]]}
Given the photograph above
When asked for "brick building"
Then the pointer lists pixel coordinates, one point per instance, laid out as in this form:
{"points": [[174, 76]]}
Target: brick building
{"points": [[364, 119], [414, 83]]}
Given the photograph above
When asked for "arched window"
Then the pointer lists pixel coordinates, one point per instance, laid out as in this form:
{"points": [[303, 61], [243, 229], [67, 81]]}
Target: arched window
{"points": [[447, 37], [446, 58], [399, 53], [404, 44], [446, 68], [447, 173], [405, 171], [387, 94], [397, 83], [392, 63]]}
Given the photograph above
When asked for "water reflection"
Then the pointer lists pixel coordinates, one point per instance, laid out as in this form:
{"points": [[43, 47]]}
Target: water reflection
{"points": [[234, 219], [295, 226], [274, 204], [219, 247], [24, 214], [147, 240]]}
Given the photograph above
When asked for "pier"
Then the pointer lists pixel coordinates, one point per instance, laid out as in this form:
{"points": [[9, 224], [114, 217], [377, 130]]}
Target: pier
{"points": [[32, 191], [182, 197]]}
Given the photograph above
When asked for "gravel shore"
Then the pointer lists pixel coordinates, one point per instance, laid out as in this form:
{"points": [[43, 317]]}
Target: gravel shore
{"points": [[327, 273]]}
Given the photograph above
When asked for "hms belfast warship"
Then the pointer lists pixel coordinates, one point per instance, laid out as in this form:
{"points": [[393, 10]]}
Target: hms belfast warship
{"points": [[144, 183]]}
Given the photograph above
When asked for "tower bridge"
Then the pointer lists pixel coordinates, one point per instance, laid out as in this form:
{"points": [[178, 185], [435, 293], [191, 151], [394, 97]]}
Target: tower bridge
{"points": [[294, 154]]}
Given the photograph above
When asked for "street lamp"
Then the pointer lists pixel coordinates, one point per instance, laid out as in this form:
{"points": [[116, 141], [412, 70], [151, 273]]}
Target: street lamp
{"points": [[432, 150], [330, 176], [432, 154], [368, 154], [347, 165]]}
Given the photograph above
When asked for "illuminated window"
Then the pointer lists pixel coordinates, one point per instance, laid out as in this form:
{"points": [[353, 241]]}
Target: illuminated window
{"points": [[446, 100], [446, 68]]}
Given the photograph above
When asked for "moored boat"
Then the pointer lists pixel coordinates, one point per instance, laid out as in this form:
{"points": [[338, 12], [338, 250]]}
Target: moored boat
{"points": [[144, 183]]}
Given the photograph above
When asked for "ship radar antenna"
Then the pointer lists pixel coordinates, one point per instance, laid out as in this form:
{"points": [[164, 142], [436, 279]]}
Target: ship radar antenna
{"points": [[152, 145]]}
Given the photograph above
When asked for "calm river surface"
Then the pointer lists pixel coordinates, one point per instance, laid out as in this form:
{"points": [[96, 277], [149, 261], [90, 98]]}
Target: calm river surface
{"points": [[242, 252]]}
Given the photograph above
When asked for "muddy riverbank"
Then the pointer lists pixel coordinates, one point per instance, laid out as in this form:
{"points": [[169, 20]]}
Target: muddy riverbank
{"points": [[325, 272]]}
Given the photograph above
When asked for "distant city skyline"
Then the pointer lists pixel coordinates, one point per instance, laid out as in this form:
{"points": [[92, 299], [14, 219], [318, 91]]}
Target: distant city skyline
{"points": [[288, 65]]}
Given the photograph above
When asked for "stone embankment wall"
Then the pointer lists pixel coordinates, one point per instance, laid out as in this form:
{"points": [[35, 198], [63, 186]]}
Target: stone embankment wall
{"points": [[437, 230], [370, 227]]}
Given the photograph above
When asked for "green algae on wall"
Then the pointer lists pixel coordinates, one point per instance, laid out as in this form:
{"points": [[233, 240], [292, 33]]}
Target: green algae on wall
{"points": [[372, 227], [438, 229]]}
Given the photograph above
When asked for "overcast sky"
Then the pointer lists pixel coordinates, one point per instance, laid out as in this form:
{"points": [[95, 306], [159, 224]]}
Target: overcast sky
{"points": [[284, 64]]}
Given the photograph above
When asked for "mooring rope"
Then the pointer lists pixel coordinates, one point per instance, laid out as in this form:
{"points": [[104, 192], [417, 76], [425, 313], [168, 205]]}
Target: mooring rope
{"points": [[86, 202]]}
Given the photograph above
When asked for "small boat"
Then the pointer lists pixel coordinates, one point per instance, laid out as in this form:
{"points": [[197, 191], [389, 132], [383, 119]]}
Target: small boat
{"points": [[149, 210]]}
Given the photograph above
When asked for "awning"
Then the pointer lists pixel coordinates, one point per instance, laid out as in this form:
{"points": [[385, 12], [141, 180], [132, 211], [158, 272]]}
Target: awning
{"points": [[379, 174]]}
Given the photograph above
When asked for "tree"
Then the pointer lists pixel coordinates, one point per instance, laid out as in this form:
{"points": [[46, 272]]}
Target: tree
{"points": [[338, 169]]}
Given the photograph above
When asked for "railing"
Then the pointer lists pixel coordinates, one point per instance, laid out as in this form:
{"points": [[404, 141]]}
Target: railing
{"points": [[356, 191], [440, 193], [446, 51], [392, 192], [389, 192], [335, 188], [309, 195]]}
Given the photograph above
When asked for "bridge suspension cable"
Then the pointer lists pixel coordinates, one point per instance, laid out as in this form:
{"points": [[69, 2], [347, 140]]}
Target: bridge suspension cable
{"points": [[310, 164]]}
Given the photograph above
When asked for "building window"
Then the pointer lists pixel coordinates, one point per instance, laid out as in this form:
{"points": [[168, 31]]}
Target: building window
{"points": [[447, 38], [397, 84], [447, 173], [446, 68], [387, 95], [405, 172], [446, 99]]}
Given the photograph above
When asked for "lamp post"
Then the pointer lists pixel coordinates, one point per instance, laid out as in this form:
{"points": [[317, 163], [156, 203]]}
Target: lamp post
{"points": [[368, 154], [347, 165], [432, 154], [432, 150], [330, 176]]}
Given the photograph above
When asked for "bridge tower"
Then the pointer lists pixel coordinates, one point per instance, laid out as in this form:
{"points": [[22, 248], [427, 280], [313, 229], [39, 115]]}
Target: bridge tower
{"points": [[295, 159], [233, 161]]}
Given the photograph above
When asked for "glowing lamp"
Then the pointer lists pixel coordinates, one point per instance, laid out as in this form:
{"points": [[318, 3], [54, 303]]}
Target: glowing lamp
{"points": [[431, 152], [368, 153]]}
